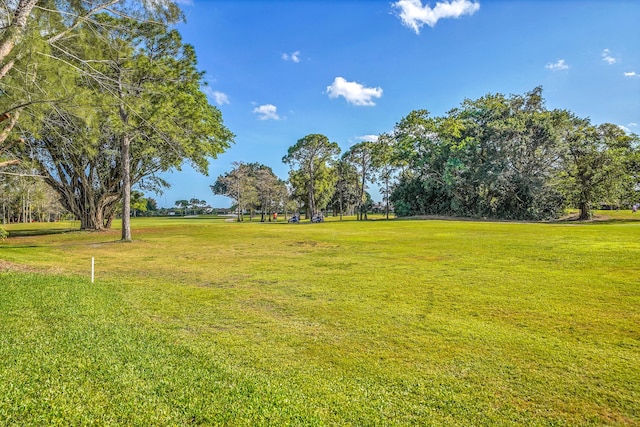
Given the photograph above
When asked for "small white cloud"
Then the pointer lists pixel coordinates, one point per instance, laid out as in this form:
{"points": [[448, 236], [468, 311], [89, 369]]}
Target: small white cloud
{"points": [[631, 74], [266, 112], [556, 66], [353, 92], [606, 57], [295, 56], [220, 97], [368, 138], [414, 15], [627, 128]]}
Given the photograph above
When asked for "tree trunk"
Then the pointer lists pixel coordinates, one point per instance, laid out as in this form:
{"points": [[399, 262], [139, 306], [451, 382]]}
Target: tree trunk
{"points": [[15, 29], [13, 119], [312, 201], [386, 207], [90, 218], [126, 189], [585, 212]]}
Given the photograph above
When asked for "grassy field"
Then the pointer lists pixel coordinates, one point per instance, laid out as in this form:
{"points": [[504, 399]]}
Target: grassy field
{"points": [[200, 321]]}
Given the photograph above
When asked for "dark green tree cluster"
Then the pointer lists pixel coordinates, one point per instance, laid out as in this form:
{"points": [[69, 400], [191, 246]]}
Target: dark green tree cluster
{"points": [[509, 158]]}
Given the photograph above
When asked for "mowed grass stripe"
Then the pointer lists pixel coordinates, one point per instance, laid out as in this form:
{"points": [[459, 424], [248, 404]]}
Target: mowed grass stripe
{"points": [[340, 323]]}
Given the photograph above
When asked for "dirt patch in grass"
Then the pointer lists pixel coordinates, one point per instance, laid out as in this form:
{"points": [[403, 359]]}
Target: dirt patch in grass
{"points": [[8, 266]]}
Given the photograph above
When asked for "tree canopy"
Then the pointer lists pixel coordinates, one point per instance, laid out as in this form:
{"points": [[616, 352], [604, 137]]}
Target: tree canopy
{"points": [[311, 160], [509, 158], [141, 110]]}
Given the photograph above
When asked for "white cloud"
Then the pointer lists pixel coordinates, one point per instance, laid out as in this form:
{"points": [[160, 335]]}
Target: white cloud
{"points": [[295, 56], [414, 15], [606, 57], [627, 129], [220, 97], [353, 92], [556, 66], [632, 74], [368, 138], [266, 112]]}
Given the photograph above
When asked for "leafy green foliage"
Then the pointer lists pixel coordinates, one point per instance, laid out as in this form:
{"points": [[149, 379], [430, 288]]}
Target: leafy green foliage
{"points": [[311, 159], [239, 185], [142, 111], [361, 157], [598, 165], [508, 158], [253, 186]]}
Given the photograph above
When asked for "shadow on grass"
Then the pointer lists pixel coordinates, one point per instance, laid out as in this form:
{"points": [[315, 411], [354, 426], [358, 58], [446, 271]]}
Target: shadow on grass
{"points": [[40, 232], [599, 219]]}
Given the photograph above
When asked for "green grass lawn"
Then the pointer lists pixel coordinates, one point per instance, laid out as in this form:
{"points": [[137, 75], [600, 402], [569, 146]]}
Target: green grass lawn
{"points": [[206, 322]]}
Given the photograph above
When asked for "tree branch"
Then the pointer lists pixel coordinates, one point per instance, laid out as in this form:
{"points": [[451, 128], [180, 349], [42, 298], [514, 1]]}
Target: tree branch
{"points": [[9, 163]]}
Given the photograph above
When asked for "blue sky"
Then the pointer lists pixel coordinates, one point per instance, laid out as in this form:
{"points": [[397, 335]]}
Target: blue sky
{"points": [[280, 70]]}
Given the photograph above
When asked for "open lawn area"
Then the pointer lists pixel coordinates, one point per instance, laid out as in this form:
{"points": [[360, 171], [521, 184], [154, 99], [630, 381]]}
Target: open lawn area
{"points": [[208, 322]]}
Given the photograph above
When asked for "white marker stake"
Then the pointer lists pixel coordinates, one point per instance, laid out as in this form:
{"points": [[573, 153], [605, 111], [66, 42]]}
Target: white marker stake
{"points": [[92, 268]]}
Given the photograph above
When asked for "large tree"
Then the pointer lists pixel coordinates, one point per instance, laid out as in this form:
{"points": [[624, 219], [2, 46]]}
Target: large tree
{"points": [[270, 189], [159, 102], [239, 185], [45, 27], [142, 112], [36, 31], [310, 159], [598, 164], [81, 163], [346, 195], [361, 156], [386, 168]]}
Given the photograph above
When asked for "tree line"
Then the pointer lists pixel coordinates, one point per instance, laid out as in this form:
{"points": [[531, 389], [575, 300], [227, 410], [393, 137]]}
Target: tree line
{"points": [[511, 158], [495, 157]]}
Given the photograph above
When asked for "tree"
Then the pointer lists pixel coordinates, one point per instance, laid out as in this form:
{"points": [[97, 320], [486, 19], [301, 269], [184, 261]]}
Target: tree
{"points": [[596, 161], [182, 204], [81, 163], [160, 104], [346, 195], [511, 153], [148, 114], [25, 197], [138, 202], [237, 184], [383, 164], [34, 32], [42, 26], [361, 156], [310, 160], [270, 190], [152, 204]]}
